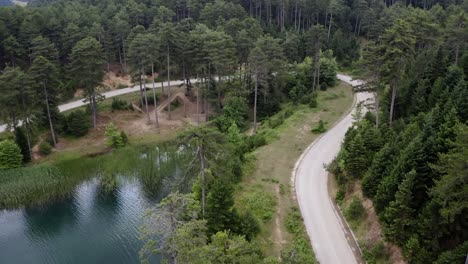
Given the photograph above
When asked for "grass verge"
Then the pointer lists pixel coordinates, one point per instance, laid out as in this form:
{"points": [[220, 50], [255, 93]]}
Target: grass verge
{"points": [[270, 175]]}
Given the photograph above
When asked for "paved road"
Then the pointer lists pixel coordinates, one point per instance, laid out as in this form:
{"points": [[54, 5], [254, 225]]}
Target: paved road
{"points": [[136, 88], [323, 224]]}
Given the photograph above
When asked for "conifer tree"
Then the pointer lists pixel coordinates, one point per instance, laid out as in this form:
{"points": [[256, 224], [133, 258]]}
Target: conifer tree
{"points": [[86, 66], [43, 77]]}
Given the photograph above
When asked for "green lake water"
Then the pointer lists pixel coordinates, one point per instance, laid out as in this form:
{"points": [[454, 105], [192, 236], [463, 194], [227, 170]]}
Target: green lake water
{"points": [[93, 225]]}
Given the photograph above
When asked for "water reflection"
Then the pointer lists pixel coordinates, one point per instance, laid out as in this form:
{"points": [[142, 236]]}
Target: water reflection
{"points": [[48, 220], [99, 222]]}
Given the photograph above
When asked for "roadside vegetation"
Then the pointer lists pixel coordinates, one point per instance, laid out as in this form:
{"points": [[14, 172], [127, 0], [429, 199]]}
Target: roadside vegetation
{"points": [[404, 162]]}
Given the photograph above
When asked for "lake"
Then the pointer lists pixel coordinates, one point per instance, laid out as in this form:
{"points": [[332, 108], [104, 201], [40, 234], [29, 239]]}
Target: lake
{"points": [[94, 224]]}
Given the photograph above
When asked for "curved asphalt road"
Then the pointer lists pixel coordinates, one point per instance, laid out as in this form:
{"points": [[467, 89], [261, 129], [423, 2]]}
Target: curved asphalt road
{"points": [[136, 88], [326, 230]]}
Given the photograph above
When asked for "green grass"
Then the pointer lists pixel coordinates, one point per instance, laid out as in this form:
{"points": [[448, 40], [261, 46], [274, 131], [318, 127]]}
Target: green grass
{"points": [[34, 185], [273, 163]]}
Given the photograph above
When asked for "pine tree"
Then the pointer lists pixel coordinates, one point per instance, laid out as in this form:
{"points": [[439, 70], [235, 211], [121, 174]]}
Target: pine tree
{"points": [[43, 77], [10, 155], [220, 214], [86, 66], [23, 144], [399, 215], [356, 159]]}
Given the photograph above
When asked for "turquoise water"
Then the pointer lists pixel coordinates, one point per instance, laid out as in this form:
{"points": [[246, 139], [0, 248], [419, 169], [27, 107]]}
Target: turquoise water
{"points": [[95, 224]]}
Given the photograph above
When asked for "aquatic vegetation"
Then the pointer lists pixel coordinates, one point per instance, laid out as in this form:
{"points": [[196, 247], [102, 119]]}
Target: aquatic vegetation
{"points": [[33, 185], [155, 166]]}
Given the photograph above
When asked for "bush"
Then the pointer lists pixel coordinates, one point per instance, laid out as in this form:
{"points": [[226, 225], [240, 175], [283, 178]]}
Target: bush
{"points": [[374, 253], [22, 142], [320, 128], [249, 226], [119, 104], [77, 123], [234, 111], [355, 210], [45, 148], [253, 142], [10, 155], [276, 121], [115, 139]]}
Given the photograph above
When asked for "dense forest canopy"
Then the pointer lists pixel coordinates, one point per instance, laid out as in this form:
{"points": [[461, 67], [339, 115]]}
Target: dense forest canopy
{"points": [[409, 153]]}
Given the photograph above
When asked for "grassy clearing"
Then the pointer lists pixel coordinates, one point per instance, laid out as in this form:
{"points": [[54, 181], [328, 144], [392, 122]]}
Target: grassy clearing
{"points": [[270, 176]]}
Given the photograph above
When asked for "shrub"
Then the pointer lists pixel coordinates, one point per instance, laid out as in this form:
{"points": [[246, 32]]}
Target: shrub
{"points": [[121, 86], [235, 110], [77, 123], [374, 253], [10, 155], [276, 121], [320, 128], [253, 142], [115, 139], [249, 226], [22, 142], [261, 204], [150, 99], [355, 210], [119, 104], [45, 148]]}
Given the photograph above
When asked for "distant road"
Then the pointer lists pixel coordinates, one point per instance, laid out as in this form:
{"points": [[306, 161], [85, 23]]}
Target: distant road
{"points": [[329, 236], [113, 93]]}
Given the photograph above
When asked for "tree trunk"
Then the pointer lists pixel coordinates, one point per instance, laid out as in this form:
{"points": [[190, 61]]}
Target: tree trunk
{"points": [[169, 82], [198, 103], [394, 92], [148, 120], [46, 93], [93, 108], [156, 120], [377, 105], [202, 167], [255, 103], [141, 89], [162, 82], [26, 124], [329, 25], [318, 70], [218, 91]]}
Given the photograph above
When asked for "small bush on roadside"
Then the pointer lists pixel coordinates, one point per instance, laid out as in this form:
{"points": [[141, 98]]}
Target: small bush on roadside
{"points": [[45, 148], [320, 128], [373, 253], [355, 210], [121, 86], [253, 142], [119, 104]]}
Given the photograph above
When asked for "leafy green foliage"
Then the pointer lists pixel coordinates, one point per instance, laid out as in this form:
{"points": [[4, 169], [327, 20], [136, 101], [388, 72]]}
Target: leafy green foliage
{"points": [[77, 123], [119, 104], [320, 128], [45, 148], [10, 155], [115, 139], [21, 141], [355, 210], [234, 111], [300, 251]]}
